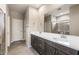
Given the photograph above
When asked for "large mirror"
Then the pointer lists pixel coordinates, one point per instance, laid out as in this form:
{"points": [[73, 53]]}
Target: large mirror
{"points": [[60, 20], [60, 23]]}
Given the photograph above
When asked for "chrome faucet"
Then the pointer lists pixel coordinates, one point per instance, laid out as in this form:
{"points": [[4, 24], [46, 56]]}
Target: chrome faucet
{"points": [[62, 35]]}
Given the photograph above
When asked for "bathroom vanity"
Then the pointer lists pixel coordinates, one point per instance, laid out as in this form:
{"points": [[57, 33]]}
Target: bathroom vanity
{"points": [[47, 44]]}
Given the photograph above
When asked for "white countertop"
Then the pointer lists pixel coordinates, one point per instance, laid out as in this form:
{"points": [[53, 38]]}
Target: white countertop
{"points": [[69, 41]]}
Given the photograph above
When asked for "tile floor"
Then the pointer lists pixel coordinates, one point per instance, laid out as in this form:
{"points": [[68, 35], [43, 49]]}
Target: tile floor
{"points": [[21, 49]]}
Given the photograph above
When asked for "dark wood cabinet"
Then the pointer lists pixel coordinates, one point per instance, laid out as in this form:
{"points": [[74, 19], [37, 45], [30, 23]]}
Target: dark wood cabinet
{"points": [[58, 52], [33, 41], [46, 47], [38, 44], [49, 50]]}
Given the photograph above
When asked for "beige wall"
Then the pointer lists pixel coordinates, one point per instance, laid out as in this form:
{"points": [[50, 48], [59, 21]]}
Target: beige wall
{"points": [[74, 20], [34, 22], [41, 20], [26, 24]]}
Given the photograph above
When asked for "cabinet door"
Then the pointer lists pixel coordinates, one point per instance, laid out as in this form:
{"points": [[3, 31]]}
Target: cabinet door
{"points": [[40, 46], [49, 50], [58, 52], [33, 41]]}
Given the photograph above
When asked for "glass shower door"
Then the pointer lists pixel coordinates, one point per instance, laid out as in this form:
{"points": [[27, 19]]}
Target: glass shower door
{"points": [[2, 35]]}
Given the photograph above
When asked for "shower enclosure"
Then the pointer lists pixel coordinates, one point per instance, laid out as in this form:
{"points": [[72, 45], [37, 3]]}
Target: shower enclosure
{"points": [[2, 33]]}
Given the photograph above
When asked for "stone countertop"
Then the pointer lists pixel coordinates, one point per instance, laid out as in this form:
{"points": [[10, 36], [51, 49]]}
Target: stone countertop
{"points": [[70, 41]]}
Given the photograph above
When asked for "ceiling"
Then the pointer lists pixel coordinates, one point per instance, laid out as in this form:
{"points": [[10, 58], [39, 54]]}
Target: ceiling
{"points": [[17, 7], [21, 7], [49, 8]]}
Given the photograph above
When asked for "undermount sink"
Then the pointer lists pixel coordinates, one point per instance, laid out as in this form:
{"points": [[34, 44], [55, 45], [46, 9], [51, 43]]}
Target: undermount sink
{"points": [[62, 41]]}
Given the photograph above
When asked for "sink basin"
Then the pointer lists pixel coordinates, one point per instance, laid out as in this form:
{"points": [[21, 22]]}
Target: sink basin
{"points": [[63, 43], [61, 39]]}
